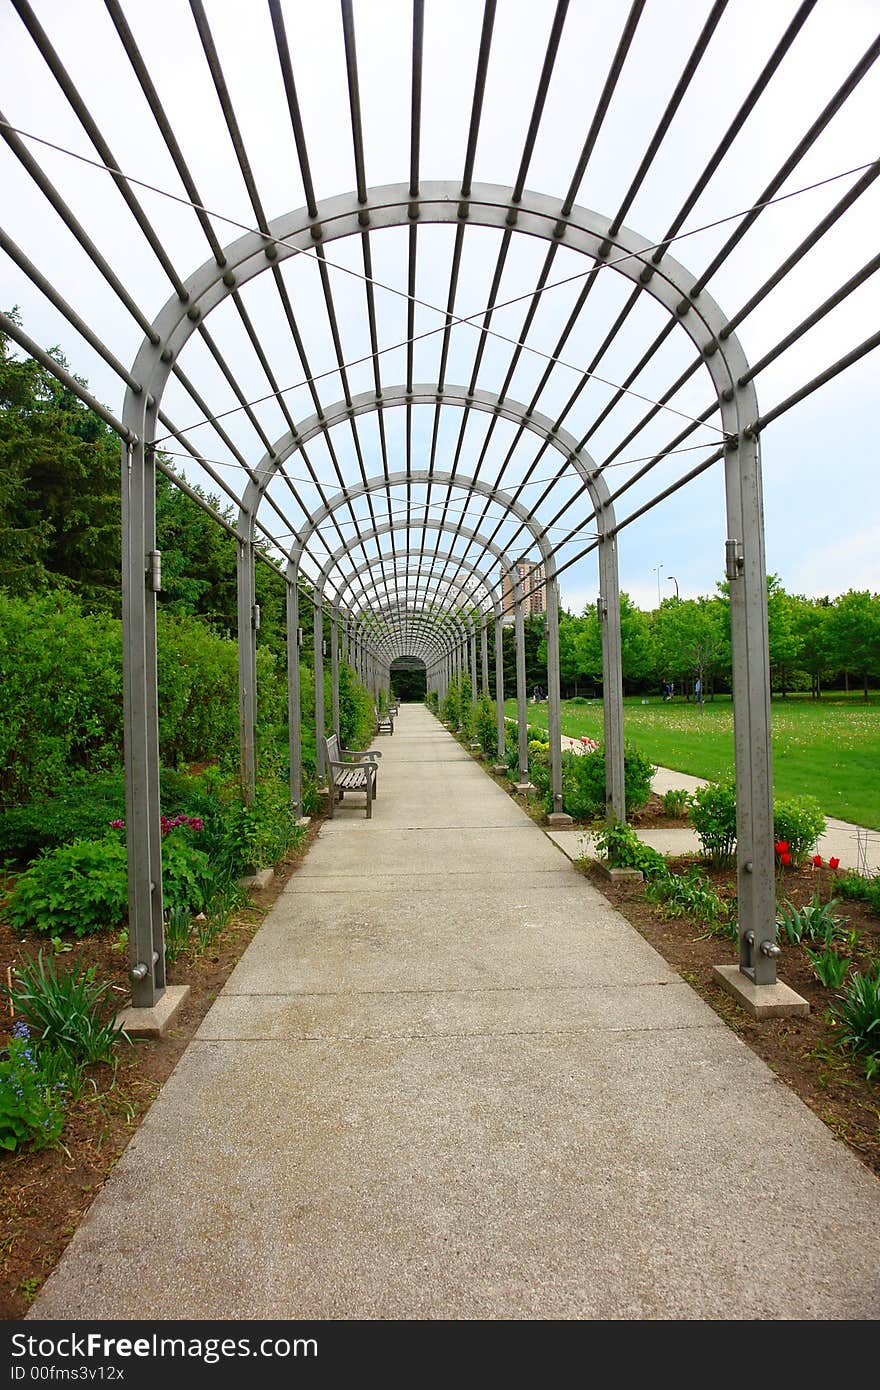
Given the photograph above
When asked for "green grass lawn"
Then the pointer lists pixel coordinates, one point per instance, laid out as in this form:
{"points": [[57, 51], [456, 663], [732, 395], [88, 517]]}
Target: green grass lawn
{"points": [[829, 749]]}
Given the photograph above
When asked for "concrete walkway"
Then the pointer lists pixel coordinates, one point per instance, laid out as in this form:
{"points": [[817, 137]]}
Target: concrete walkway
{"points": [[446, 1080]]}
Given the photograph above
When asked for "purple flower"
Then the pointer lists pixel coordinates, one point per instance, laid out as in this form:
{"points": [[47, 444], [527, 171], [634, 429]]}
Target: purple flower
{"points": [[117, 825], [20, 1030]]}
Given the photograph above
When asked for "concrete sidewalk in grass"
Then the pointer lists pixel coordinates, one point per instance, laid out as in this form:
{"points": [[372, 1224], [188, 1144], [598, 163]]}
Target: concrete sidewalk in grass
{"points": [[854, 845], [447, 1080]]}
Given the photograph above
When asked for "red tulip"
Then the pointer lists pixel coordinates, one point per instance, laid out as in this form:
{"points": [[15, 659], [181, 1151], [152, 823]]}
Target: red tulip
{"points": [[817, 861], [786, 857], [781, 846], [834, 863]]}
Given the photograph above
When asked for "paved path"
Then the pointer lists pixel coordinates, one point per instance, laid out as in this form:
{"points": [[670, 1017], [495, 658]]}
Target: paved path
{"points": [[446, 1080]]}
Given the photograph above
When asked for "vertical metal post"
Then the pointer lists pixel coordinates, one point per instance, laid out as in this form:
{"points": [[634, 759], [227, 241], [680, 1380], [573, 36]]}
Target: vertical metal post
{"points": [[475, 681], [499, 688], [334, 668], [319, 688], [294, 698], [247, 667], [141, 751], [484, 656], [521, 716], [747, 576], [612, 678], [554, 723]]}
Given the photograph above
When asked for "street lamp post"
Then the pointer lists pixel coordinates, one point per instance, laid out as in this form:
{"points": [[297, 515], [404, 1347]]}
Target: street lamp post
{"points": [[671, 579]]}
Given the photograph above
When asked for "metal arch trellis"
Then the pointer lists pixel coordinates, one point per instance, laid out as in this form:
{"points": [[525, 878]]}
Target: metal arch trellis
{"points": [[388, 612]]}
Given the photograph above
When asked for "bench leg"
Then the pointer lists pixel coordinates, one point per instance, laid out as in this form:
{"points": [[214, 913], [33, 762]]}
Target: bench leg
{"points": [[369, 798], [332, 794]]}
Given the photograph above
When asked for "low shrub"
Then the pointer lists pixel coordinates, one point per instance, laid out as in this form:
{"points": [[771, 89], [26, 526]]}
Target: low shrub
{"points": [[583, 782], [485, 726], [465, 709], [451, 706], [675, 802], [621, 847], [432, 700], [81, 809], [79, 888], [798, 822], [713, 816]]}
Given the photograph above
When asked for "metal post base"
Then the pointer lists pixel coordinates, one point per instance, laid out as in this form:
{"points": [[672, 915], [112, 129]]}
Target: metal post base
{"points": [[154, 1022], [761, 1001]]}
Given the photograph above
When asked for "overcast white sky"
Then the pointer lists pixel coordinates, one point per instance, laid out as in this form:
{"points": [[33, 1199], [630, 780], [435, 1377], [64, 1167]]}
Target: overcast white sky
{"points": [[822, 480]]}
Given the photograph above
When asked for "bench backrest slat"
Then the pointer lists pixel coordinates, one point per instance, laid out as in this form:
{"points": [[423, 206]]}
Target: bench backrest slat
{"points": [[332, 746]]}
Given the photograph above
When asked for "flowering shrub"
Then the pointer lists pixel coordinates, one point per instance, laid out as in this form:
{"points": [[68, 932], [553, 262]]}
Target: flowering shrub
{"points": [[583, 782], [31, 1111]]}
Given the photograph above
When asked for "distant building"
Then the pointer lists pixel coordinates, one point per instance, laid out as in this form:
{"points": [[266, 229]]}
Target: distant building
{"points": [[532, 579]]}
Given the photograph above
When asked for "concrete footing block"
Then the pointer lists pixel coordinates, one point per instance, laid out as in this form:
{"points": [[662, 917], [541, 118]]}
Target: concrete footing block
{"points": [[559, 820], [303, 821], [475, 745], [761, 1001], [154, 1022], [261, 879], [524, 788], [615, 875], [500, 769]]}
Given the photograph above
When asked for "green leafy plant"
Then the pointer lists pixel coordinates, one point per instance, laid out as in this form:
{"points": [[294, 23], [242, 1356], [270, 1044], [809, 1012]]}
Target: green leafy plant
{"points": [[860, 887], [31, 1108], [858, 1013], [69, 1011], [621, 847], [814, 922], [828, 966], [688, 895], [713, 815], [79, 888], [432, 700], [583, 782], [465, 709], [675, 802], [450, 707], [485, 726], [178, 924], [798, 822]]}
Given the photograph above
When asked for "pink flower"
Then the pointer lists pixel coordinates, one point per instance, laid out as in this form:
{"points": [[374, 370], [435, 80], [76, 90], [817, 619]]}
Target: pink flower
{"points": [[117, 825]]}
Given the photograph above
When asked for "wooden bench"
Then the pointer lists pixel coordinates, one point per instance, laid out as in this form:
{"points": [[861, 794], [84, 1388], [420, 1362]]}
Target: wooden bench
{"points": [[384, 722], [351, 771]]}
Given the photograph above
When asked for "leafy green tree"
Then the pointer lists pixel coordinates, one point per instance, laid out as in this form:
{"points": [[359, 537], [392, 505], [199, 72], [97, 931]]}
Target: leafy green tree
{"points": [[812, 625], [693, 641], [854, 631], [782, 632], [59, 487]]}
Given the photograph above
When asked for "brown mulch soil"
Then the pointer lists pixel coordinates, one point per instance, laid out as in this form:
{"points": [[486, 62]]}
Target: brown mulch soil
{"points": [[44, 1195]]}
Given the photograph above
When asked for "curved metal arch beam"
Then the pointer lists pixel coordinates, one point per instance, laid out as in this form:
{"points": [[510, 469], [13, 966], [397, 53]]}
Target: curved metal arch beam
{"points": [[425, 394], [670, 284], [460, 481], [430, 525]]}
